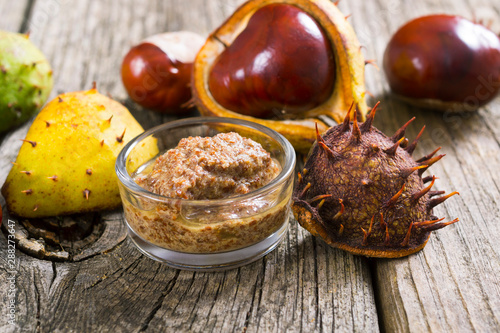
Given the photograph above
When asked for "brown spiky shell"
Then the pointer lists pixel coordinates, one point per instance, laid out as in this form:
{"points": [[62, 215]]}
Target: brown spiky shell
{"points": [[362, 191]]}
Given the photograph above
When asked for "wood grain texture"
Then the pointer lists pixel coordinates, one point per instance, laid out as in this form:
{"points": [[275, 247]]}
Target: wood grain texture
{"points": [[453, 284], [15, 15], [304, 285]]}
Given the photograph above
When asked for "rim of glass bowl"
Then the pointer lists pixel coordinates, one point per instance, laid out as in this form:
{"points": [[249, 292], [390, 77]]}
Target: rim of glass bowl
{"points": [[131, 185]]}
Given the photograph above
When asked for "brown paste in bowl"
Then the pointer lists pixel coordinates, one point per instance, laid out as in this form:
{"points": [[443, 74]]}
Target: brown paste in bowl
{"points": [[224, 166], [211, 168]]}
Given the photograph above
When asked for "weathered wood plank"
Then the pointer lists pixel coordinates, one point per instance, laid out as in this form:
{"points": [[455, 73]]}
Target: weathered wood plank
{"points": [[452, 285], [453, 282], [15, 15], [302, 286]]}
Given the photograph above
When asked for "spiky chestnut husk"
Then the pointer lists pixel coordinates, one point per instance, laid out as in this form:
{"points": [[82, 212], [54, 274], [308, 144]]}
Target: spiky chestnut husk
{"points": [[25, 79], [362, 191], [66, 164]]}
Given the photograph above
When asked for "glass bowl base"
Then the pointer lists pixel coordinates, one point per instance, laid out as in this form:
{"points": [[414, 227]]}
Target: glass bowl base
{"points": [[210, 261]]}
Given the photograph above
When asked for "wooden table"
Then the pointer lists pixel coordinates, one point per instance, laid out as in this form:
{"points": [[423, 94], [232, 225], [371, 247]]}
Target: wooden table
{"points": [[453, 285]]}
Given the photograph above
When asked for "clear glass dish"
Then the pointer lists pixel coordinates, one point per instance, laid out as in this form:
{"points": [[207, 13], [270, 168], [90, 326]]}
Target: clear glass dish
{"points": [[205, 234]]}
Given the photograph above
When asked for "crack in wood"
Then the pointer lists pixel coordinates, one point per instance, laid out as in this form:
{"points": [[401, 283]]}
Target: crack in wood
{"points": [[90, 256], [158, 303], [460, 293], [317, 317], [27, 17], [202, 292], [122, 271], [248, 313], [108, 33], [192, 281], [54, 276], [259, 287], [372, 269], [217, 293], [38, 306]]}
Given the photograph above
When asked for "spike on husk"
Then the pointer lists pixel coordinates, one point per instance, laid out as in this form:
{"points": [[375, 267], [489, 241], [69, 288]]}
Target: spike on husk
{"points": [[322, 144], [382, 222], [342, 208], [356, 132], [417, 195], [413, 145], [347, 119], [391, 151], [86, 194], [32, 143], [25, 80], [436, 201], [428, 156], [372, 182], [392, 201], [367, 125], [119, 139], [427, 163], [405, 173], [401, 132]]}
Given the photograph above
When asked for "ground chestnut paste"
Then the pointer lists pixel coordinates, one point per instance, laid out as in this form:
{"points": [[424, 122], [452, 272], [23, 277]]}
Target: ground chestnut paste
{"points": [[206, 168]]}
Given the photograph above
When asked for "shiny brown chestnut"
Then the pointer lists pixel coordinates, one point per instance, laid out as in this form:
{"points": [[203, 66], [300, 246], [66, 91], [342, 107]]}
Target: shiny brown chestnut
{"points": [[157, 72], [444, 62], [286, 67], [296, 41]]}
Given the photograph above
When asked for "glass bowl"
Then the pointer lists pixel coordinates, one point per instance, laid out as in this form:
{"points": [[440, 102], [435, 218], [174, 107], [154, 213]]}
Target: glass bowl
{"points": [[205, 234]]}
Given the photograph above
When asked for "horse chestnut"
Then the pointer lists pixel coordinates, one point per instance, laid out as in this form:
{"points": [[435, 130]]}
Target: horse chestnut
{"points": [[444, 62], [288, 67], [157, 72]]}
